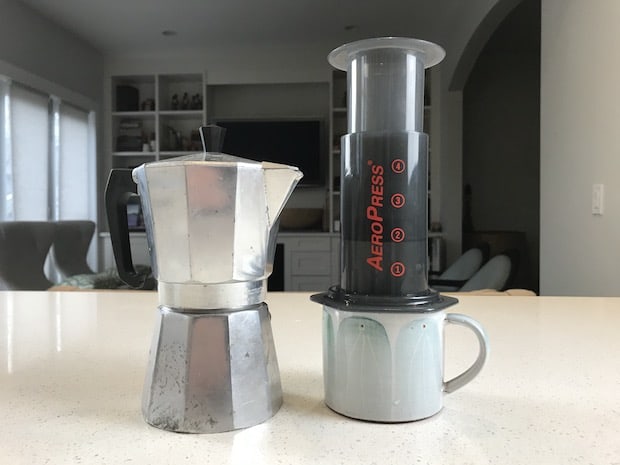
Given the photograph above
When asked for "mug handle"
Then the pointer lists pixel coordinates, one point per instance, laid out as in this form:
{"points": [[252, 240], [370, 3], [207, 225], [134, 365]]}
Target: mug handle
{"points": [[469, 374]]}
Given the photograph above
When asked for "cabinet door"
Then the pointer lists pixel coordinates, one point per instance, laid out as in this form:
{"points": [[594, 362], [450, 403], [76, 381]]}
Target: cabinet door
{"points": [[309, 243], [310, 283], [311, 263]]}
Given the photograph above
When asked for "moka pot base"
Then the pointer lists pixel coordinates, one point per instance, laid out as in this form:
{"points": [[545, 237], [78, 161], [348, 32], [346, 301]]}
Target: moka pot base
{"points": [[211, 371]]}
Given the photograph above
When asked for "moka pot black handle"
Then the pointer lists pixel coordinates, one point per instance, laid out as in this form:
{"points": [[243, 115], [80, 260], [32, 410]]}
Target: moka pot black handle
{"points": [[119, 190]]}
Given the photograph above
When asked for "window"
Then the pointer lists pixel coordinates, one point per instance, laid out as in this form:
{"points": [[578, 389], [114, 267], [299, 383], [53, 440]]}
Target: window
{"points": [[29, 142], [76, 183], [47, 157]]}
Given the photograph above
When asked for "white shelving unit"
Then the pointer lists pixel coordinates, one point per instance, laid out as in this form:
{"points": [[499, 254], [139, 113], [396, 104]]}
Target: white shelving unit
{"points": [[163, 111], [338, 128]]}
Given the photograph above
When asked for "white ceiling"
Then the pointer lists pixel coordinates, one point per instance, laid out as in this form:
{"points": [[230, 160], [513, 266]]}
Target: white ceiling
{"points": [[130, 26]]}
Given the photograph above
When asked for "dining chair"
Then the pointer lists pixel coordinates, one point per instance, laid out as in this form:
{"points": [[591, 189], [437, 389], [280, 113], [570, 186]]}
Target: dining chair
{"points": [[24, 246], [70, 247]]}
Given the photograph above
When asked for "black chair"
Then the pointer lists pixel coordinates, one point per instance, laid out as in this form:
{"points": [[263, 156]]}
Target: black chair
{"points": [[70, 248], [24, 246]]}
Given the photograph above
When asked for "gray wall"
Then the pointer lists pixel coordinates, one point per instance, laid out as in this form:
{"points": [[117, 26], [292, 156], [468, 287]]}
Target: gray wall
{"points": [[36, 45], [580, 146], [501, 156], [473, 25]]}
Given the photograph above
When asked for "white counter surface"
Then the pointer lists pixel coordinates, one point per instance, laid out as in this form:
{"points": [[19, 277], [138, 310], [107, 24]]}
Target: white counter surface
{"points": [[72, 366]]}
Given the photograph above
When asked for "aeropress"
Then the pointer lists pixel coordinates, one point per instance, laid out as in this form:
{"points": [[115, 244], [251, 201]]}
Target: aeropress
{"points": [[382, 325]]}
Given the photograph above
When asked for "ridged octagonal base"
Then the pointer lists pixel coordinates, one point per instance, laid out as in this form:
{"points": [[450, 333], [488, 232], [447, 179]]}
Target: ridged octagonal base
{"points": [[212, 371]]}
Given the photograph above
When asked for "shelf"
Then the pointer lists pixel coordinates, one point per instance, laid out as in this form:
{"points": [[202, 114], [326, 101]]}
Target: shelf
{"points": [[133, 114], [181, 113], [134, 154], [340, 110]]}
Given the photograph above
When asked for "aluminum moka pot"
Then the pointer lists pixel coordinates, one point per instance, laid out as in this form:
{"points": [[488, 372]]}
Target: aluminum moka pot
{"points": [[211, 225]]}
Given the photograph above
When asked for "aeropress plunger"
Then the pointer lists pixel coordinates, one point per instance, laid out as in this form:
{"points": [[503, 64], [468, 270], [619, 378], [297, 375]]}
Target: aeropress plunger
{"points": [[383, 325]]}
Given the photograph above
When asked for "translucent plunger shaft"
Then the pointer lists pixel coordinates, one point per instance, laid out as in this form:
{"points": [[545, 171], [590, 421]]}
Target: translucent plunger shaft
{"points": [[386, 82]]}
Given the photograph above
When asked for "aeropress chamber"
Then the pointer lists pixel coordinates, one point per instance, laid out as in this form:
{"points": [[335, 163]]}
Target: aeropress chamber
{"points": [[382, 325]]}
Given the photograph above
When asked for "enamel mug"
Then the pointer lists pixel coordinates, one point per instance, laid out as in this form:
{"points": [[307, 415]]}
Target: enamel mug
{"points": [[389, 366]]}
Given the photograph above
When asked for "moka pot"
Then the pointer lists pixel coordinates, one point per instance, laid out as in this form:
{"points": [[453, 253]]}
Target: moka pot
{"points": [[211, 225]]}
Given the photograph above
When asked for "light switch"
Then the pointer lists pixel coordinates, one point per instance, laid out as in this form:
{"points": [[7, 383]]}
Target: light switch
{"points": [[598, 199]]}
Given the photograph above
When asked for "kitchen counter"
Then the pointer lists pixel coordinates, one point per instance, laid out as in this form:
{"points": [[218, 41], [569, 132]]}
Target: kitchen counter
{"points": [[72, 366]]}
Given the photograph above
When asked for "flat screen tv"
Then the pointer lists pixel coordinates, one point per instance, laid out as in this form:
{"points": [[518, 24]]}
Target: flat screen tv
{"points": [[292, 142]]}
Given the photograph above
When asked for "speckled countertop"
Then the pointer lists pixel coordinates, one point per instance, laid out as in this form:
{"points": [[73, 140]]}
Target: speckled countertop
{"points": [[72, 367]]}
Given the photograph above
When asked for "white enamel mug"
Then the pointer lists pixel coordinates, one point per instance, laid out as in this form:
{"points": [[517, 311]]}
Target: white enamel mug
{"points": [[389, 367]]}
